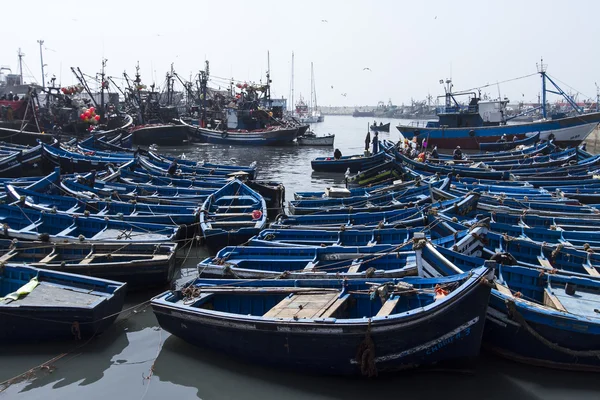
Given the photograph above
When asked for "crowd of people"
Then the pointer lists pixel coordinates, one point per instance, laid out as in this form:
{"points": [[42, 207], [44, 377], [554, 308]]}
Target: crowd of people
{"points": [[417, 151]]}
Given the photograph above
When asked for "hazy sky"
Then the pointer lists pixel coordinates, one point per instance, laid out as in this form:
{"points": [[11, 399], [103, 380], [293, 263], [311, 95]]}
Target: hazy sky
{"points": [[408, 45]]}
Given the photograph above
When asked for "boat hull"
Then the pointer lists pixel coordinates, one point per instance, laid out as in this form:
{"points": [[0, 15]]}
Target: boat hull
{"points": [[277, 137], [354, 163], [60, 318], [161, 134], [506, 337], [316, 141], [329, 346], [565, 132]]}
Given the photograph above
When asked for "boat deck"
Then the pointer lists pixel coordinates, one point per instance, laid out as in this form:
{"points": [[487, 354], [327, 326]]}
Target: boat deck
{"points": [[581, 303], [307, 305], [51, 295]]}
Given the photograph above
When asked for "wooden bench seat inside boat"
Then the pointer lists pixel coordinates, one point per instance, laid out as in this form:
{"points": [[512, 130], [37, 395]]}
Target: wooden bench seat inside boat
{"points": [[388, 306], [308, 305], [231, 215], [231, 223], [551, 300]]}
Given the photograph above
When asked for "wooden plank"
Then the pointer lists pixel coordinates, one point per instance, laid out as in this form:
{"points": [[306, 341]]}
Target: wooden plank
{"points": [[232, 223], [230, 215], [551, 300], [544, 262], [48, 258], [335, 307], [503, 289], [8, 256], [354, 268], [388, 307], [302, 305], [591, 270]]}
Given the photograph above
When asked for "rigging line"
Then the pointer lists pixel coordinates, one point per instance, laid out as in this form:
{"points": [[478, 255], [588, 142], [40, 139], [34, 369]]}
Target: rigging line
{"points": [[570, 87], [497, 83]]}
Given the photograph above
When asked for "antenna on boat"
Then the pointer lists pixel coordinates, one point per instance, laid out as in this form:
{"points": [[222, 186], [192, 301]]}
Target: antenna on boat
{"points": [[597, 97]]}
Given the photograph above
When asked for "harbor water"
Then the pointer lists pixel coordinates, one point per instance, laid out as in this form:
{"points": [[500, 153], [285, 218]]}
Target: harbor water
{"points": [[135, 359]]}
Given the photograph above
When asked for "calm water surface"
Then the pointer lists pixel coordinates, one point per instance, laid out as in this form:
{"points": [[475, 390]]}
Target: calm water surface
{"points": [[135, 359]]}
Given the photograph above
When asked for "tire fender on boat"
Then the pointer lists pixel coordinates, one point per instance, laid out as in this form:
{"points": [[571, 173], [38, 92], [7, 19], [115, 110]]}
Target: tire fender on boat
{"points": [[472, 133], [224, 134]]}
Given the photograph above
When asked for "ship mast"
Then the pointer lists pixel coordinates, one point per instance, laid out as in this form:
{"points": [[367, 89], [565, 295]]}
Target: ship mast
{"points": [[21, 55], [41, 42], [102, 86], [292, 84], [312, 86]]}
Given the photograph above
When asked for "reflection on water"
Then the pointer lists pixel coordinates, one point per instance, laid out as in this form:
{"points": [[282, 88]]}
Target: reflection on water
{"points": [[116, 364]]}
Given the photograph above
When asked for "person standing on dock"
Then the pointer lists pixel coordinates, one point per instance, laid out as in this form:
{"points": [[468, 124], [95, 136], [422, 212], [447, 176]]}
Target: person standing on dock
{"points": [[375, 143]]}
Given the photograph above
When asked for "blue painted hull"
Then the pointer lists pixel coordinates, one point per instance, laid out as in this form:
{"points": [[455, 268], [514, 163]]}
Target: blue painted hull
{"points": [[566, 131], [509, 339], [355, 163], [61, 317], [275, 137], [449, 331], [227, 217]]}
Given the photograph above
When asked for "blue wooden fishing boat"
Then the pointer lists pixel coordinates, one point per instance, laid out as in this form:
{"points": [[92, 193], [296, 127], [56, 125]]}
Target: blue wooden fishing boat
{"points": [[545, 319], [141, 265], [388, 172], [354, 163], [20, 162], [348, 327], [298, 262], [530, 151], [232, 215], [42, 305], [139, 212], [271, 136], [332, 192], [535, 316], [203, 167], [28, 224], [70, 162], [484, 122], [199, 169], [508, 145], [396, 218], [333, 237], [418, 194], [97, 189]]}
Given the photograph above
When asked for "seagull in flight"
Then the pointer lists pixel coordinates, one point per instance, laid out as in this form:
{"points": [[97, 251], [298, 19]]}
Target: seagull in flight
{"points": [[366, 69], [344, 94], [324, 20], [332, 86]]}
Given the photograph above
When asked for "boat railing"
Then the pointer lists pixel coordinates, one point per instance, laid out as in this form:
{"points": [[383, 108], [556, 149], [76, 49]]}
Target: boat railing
{"points": [[419, 124], [456, 109]]}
